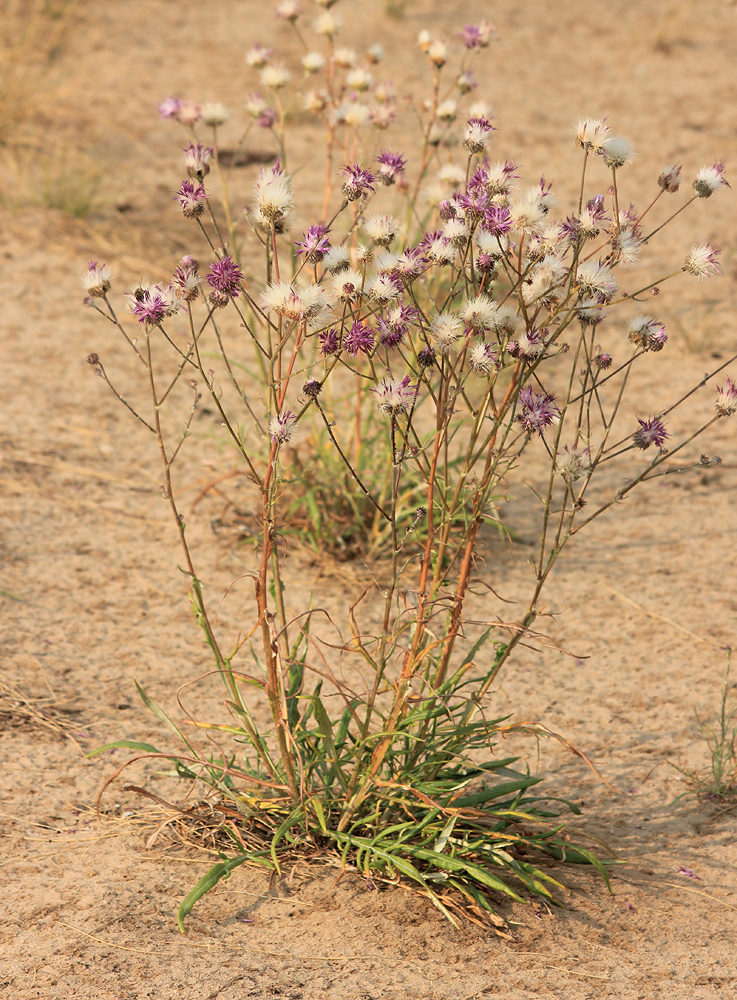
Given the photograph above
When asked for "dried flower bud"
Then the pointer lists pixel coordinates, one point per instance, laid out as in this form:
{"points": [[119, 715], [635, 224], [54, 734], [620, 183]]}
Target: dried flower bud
{"points": [[312, 388]]}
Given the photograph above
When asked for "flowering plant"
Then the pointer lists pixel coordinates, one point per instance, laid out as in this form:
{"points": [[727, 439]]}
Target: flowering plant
{"points": [[468, 321]]}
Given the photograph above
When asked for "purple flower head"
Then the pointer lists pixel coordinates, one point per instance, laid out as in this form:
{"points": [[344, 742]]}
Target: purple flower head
{"points": [[726, 401], [282, 427], [447, 210], [149, 306], [470, 36], [476, 133], [390, 166], [702, 261], [474, 204], [408, 266], [186, 281], [394, 397], [312, 388], [191, 197], [197, 160], [315, 243], [266, 118], [329, 342], [496, 220], [529, 346], [710, 179], [603, 361], [651, 431], [358, 182], [647, 333], [476, 36], [169, 108], [359, 339], [394, 326], [485, 263], [437, 248], [225, 277], [496, 179], [537, 410]]}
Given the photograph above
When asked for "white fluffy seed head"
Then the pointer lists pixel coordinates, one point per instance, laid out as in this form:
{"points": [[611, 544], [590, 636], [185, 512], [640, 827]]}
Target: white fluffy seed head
{"points": [[445, 331]]}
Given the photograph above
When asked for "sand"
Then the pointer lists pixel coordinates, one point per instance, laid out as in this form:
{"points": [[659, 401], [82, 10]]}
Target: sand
{"points": [[92, 598]]}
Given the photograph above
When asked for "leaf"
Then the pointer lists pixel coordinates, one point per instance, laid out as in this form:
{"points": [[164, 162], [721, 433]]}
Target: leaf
{"points": [[124, 745], [161, 714], [221, 870], [496, 792]]}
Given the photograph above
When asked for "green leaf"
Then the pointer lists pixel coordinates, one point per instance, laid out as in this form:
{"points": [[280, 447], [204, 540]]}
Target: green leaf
{"points": [[124, 745], [221, 870], [161, 714]]}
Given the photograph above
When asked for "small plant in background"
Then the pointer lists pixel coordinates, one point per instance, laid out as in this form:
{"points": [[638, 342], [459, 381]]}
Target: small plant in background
{"points": [[412, 351], [721, 739]]}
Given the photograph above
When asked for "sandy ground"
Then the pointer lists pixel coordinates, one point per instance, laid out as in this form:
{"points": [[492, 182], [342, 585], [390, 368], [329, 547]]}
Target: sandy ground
{"points": [[92, 598]]}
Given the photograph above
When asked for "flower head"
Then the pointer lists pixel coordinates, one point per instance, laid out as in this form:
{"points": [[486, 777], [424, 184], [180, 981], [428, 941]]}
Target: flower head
{"points": [[169, 108], [329, 342], [483, 357], [288, 10], [312, 388], [476, 36], [225, 277], [437, 248], [188, 113], [394, 325], [651, 431], [273, 194], [337, 259], [394, 397], [726, 401], [647, 333], [573, 463], [197, 160], [617, 151], [445, 331], [294, 302], [358, 182], [381, 229], [597, 280], [359, 339], [313, 62], [702, 261], [275, 76], [476, 134], [315, 243], [96, 280], [537, 410], [282, 427], [191, 197], [258, 56], [478, 313], [186, 281], [709, 179], [214, 114], [151, 305], [670, 179], [591, 134]]}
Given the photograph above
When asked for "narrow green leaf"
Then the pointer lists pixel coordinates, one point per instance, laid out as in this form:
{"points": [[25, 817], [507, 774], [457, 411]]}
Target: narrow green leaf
{"points": [[124, 745]]}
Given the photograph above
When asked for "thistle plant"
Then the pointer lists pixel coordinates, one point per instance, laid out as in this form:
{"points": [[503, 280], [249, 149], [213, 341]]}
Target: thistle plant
{"points": [[448, 301]]}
